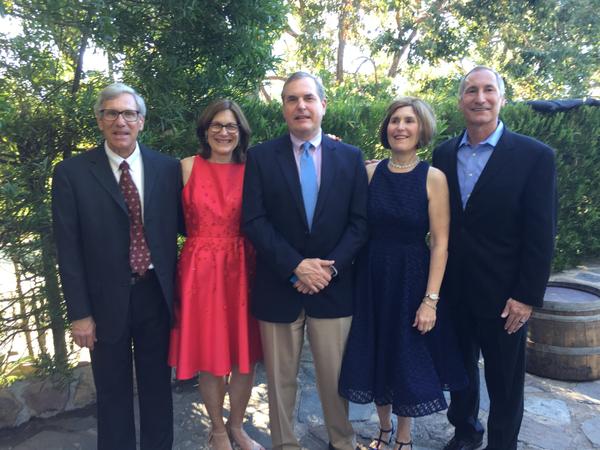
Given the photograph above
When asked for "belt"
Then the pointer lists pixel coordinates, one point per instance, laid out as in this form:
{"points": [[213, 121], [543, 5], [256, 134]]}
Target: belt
{"points": [[136, 277]]}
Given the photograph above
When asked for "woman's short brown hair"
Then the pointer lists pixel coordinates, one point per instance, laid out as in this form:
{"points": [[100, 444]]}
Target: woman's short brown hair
{"points": [[423, 112], [205, 119]]}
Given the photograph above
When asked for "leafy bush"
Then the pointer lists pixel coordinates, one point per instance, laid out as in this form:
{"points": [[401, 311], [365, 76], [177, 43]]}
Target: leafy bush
{"points": [[575, 135], [35, 144]]}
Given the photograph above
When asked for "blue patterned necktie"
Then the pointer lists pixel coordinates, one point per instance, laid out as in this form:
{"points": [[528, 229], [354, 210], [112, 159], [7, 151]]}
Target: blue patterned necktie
{"points": [[308, 180]]}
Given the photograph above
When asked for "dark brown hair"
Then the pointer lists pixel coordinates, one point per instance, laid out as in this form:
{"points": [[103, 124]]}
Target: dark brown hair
{"points": [[205, 119]]}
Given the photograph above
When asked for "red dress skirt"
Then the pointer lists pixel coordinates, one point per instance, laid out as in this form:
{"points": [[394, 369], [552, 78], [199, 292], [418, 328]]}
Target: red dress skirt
{"points": [[213, 329]]}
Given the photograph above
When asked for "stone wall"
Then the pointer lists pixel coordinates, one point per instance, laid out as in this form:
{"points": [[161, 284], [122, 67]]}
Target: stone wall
{"points": [[37, 397]]}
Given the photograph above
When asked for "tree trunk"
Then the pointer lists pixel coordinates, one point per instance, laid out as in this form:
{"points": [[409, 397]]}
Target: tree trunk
{"points": [[53, 298], [439, 7], [79, 64], [342, 38], [339, 69], [38, 309], [400, 54], [264, 93], [68, 144], [111, 65], [23, 310]]}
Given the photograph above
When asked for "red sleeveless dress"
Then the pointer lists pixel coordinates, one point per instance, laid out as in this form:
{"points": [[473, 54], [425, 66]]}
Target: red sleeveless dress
{"points": [[213, 329]]}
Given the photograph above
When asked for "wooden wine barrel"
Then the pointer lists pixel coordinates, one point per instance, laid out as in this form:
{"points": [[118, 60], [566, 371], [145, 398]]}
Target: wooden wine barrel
{"points": [[564, 335]]}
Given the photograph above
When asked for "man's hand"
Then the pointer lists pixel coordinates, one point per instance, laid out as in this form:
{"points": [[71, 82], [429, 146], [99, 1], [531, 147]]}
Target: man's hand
{"points": [[516, 315], [84, 332], [314, 275], [302, 288]]}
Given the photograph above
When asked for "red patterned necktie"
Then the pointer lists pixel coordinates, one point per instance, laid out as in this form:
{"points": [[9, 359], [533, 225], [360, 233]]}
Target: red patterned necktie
{"points": [[139, 254]]}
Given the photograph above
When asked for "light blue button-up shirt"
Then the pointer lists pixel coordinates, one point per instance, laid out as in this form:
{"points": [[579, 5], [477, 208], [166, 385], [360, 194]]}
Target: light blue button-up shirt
{"points": [[471, 161]]}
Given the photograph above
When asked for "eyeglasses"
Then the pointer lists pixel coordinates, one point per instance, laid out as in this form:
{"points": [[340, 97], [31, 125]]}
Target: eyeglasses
{"points": [[231, 127], [129, 115]]}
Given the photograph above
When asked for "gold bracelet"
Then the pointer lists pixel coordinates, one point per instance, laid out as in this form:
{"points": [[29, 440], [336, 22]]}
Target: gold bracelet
{"points": [[432, 306]]}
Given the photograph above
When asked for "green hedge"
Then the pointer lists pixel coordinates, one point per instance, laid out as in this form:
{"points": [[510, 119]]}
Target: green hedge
{"points": [[575, 135]]}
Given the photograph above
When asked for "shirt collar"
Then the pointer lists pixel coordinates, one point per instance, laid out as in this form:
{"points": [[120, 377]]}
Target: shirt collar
{"points": [[491, 140], [116, 160], [315, 141]]}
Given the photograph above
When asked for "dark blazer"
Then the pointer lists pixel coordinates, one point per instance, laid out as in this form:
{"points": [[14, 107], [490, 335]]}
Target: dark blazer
{"points": [[275, 221], [91, 230], [501, 245]]}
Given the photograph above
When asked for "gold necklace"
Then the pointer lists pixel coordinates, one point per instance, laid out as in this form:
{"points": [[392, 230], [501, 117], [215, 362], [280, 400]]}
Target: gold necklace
{"points": [[409, 165]]}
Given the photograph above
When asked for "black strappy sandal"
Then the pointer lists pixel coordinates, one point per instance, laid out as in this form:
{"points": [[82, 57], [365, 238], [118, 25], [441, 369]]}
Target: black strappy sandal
{"points": [[402, 444], [380, 441]]}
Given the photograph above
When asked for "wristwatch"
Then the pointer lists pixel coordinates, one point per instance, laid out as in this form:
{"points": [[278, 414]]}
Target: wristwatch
{"points": [[333, 270], [432, 296]]}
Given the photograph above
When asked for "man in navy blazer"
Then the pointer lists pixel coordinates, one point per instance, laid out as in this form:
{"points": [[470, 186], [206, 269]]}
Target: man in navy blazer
{"points": [[305, 254], [111, 304], [503, 223]]}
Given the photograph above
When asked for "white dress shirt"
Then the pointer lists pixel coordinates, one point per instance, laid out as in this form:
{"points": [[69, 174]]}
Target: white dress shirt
{"points": [[136, 169]]}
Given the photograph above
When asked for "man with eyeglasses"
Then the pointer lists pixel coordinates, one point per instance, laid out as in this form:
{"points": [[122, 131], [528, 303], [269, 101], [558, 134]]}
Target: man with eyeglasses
{"points": [[116, 215], [304, 209]]}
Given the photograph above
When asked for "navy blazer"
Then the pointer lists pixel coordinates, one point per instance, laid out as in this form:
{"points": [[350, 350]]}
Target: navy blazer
{"points": [[275, 221], [501, 245], [91, 230]]}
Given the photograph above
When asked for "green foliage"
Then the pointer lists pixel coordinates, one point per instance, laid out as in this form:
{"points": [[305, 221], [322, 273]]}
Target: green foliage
{"points": [[575, 135], [266, 119], [47, 367], [182, 54], [179, 54], [543, 47], [11, 371]]}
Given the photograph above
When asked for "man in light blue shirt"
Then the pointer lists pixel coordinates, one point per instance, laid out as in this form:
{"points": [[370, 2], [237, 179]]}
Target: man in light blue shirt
{"points": [[304, 209], [503, 215], [472, 160]]}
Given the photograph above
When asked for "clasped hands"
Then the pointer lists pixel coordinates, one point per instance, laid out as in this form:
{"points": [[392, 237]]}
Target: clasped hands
{"points": [[314, 275]]}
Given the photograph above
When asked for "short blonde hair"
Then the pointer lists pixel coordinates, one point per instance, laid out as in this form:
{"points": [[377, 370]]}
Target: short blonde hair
{"points": [[424, 114]]}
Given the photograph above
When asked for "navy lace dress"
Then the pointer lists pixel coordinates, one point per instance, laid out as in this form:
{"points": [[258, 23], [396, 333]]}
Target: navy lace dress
{"points": [[387, 360]]}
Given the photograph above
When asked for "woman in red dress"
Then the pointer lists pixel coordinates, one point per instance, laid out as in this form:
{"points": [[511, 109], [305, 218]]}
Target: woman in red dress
{"points": [[214, 334]]}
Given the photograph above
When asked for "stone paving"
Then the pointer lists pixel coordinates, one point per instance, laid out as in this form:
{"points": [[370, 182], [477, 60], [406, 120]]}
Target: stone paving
{"points": [[559, 415]]}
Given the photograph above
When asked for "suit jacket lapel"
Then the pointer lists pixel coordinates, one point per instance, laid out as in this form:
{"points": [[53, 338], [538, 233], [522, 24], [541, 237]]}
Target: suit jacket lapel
{"points": [[287, 162], [150, 174], [328, 173], [452, 174], [497, 163], [102, 171]]}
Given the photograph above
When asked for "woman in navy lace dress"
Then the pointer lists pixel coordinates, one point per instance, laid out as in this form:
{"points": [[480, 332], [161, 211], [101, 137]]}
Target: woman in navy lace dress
{"points": [[401, 353]]}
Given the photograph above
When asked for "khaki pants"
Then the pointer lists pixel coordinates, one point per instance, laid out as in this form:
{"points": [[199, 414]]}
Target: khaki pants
{"points": [[282, 345]]}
